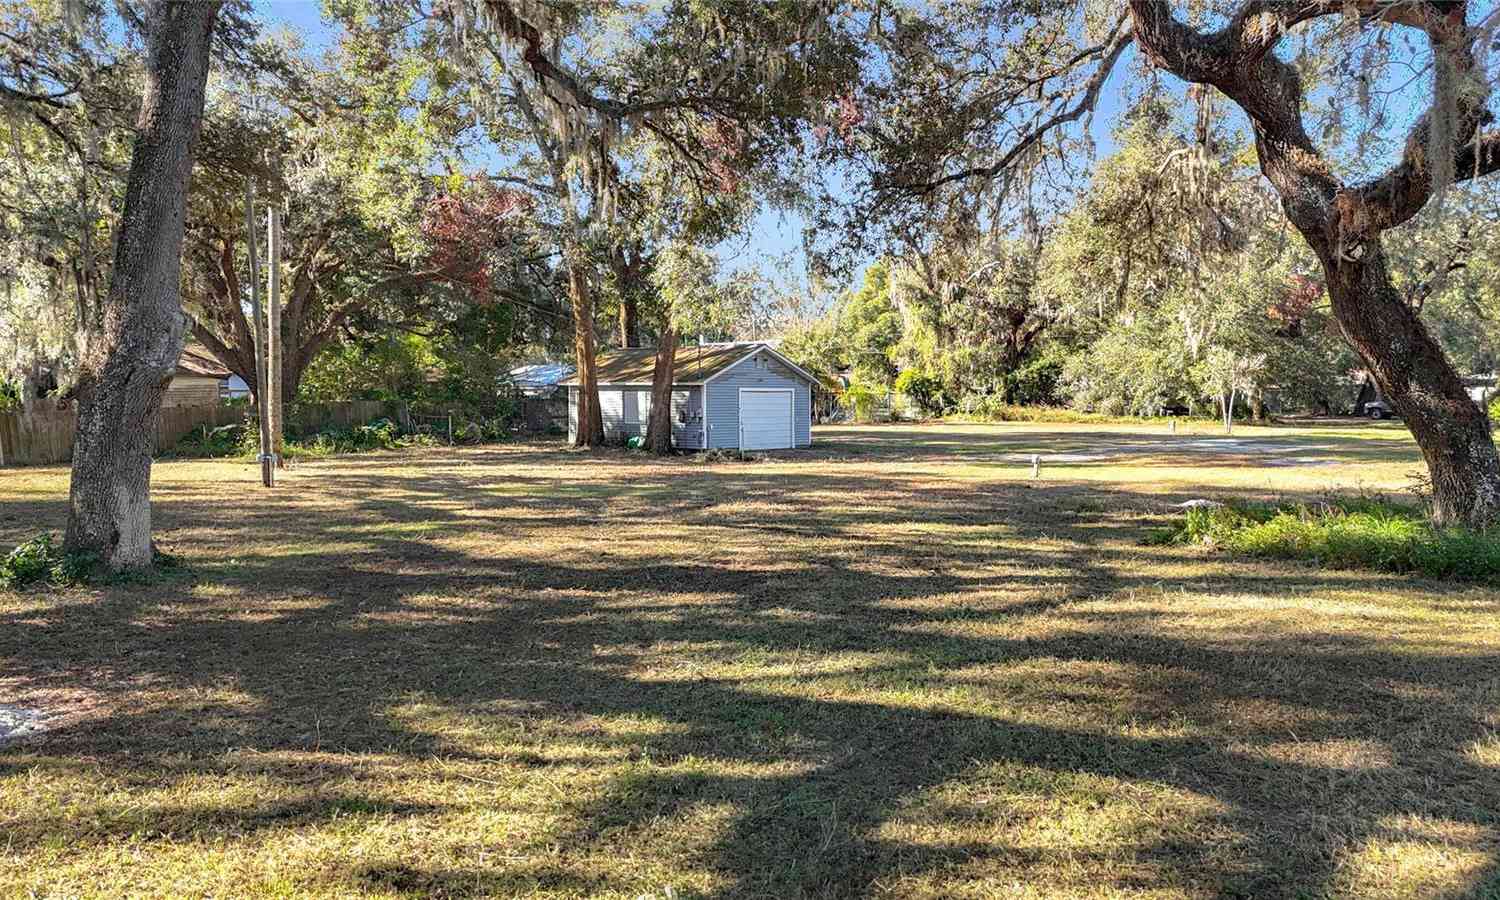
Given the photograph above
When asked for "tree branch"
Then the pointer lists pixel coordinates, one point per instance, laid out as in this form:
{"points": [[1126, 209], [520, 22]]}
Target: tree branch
{"points": [[1110, 52]]}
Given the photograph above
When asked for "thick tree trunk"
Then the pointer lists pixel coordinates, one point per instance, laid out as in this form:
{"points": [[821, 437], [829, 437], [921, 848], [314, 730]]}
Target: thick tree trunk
{"points": [[630, 332], [1414, 373], [590, 419], [627, 267], [659, 426], [132, 352]]}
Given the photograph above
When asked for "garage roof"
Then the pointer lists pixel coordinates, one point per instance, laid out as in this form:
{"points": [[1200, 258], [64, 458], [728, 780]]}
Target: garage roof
{"points": [[695, 364]]}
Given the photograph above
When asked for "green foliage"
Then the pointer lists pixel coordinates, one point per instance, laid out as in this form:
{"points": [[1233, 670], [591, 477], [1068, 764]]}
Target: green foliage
{"points": [[862, 397], [1345, 534], [923, 389], [994, 409], [210, 442], [694, 295], [1494, 409], [1178, 280], [242, 440], [42, 560], [814, 345], [869, 325], [1035, 383], [10, 396]]}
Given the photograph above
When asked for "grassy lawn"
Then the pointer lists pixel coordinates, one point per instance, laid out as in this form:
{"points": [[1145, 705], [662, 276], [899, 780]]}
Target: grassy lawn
{"points": [[893, 666]]}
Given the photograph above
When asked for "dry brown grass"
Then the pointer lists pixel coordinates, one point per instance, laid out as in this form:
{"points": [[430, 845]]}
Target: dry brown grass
{"points": [[894, 667]]}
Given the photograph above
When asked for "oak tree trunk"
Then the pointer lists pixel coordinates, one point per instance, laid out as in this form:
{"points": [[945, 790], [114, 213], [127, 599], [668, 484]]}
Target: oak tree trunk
{"points": [[590, 419], [627, 263], [1414, 373], [630, 333], [133, 347], [659, 425]]}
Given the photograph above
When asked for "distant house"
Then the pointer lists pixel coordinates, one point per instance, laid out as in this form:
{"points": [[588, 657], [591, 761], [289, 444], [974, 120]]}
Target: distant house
{"points": [[198, 381], [745, 396]]}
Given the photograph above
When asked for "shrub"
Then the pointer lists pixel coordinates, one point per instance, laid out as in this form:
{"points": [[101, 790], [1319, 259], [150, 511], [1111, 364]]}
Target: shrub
{"points": [[924, 390], [210, 442], [1036, 383], [861, 397], [1346, 534], [40, 559]]}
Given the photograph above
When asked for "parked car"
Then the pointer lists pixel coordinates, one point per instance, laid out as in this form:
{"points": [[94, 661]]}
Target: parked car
{"points": [[1175, 408], [1379, 409]]}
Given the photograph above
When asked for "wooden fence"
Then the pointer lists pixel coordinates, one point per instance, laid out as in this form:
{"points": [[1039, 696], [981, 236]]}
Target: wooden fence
{"points": [[45, 435], [310, 418]]}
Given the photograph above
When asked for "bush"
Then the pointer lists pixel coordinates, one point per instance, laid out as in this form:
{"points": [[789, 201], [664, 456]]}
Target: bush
{"points": [[1494, 410], [40, 559], [242, 440], [924, 390], [1346, 534], [210, 442], [1035, 384], [993, 409], [862, 398]]}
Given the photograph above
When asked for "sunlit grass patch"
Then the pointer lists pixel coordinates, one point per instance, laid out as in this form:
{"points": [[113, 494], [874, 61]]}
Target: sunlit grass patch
{"points": [[1419, 857]]}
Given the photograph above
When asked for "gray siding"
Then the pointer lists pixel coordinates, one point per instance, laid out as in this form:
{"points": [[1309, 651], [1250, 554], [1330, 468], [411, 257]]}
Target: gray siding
{"points": [[687, 417], [624, 410], [723, 399]]}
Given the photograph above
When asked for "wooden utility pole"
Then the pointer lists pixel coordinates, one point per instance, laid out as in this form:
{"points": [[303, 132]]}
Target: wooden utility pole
{"points": [[274, 348], [257, 315]]}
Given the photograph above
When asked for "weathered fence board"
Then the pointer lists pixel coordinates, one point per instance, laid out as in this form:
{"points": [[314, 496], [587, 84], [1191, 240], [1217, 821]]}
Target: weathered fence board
{"points": [[310, 418]]}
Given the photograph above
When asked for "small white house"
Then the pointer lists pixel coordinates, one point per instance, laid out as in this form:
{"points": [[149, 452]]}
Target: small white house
{"points": [[746, 396]]}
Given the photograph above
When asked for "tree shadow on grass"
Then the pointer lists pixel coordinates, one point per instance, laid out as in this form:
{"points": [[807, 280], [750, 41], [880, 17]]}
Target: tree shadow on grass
{"points": [[909, 691]]}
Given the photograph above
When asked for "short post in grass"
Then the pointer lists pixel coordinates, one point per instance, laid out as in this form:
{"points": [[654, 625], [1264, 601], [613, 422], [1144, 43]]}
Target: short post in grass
{"points": [[1172, 425], [1036, 465]]}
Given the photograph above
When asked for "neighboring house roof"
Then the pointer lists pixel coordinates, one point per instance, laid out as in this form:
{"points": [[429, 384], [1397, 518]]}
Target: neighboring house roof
{"points": [[540, 375], [694, 364], [196, 362]]}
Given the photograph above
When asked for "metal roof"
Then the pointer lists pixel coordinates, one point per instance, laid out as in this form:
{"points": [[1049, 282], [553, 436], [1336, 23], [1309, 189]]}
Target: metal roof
{"points": [[541, 374]]}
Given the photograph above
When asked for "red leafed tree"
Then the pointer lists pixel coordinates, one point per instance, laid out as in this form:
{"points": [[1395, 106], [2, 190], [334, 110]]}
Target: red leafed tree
{"points": [[467, 235], [1296, 301], [340, 268]]}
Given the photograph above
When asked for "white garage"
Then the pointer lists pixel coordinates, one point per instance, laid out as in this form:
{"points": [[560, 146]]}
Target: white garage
{"points": [[767, 418]]}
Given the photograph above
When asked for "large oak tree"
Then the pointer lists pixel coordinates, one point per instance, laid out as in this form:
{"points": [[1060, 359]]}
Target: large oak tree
{"points": [[968, 99], [133, 347], [1342, 221]]}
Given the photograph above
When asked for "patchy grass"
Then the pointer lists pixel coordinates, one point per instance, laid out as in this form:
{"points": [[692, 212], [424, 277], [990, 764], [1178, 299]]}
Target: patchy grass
{"points": [[1345, 534], [896, 666]]}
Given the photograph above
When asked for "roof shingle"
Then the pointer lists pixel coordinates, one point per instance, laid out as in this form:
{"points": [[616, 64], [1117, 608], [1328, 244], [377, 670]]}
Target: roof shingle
{"points": [[694, 364]]}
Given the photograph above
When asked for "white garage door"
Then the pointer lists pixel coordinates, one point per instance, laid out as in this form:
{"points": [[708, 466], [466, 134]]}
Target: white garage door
{"points": [[765, 419]]}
